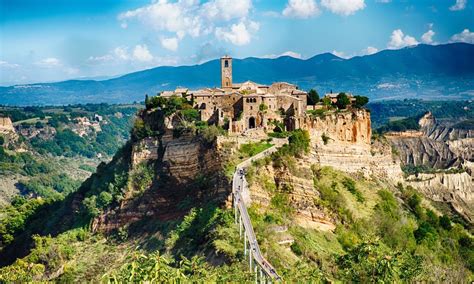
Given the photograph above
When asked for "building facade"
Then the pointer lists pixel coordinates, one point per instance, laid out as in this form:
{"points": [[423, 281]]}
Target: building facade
{"points": [[246, 106]]}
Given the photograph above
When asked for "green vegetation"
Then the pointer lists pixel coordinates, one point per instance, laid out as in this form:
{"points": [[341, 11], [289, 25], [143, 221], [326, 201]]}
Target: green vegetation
{"points": [[317, 113], [410, 123], [381, 112], [313, 97], [252, 149], [360, 101], [342, 101], [410, 169], [465, 125]]}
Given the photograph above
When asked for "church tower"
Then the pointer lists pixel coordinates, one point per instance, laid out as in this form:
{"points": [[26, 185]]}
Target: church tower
{"points": [[226, 72]]}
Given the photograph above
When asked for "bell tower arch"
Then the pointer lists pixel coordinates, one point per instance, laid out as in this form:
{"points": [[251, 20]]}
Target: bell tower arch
{"points": [[226, 72]]}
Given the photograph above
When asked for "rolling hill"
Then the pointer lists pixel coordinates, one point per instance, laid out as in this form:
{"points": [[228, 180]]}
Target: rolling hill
{"points": [[423, 71]]}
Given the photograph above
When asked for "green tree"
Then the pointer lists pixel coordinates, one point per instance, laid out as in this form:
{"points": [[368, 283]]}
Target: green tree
{"points": [[360, 101], [326, 101], [342, 101], [313, 97]]}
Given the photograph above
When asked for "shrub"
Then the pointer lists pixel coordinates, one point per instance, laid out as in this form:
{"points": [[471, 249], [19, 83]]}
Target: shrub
{"points": [[349, 184], [445, 222], [296, 249], [360, 101], [342, 101], [313, 97], [209, 134], [325, 138]]}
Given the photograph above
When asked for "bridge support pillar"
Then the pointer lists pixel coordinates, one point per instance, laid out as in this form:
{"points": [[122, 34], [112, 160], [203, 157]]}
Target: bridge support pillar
{"points": [[245, 243], [240, 227], [250, 258]]}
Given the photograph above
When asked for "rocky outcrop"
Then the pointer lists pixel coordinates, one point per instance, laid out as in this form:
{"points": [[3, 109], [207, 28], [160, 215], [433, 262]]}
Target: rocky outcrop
{"points": [[187, 172], [301, 195], [426, 151], [455, 188], [441, 147], [343, 141], [6, 125]]}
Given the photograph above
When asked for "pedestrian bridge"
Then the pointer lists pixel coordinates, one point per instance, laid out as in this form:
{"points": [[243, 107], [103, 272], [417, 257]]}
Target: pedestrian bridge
{"points": [[264, 271]]}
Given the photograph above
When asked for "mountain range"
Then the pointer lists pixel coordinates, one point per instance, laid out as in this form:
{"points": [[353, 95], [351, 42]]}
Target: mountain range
{"points": [[423, 71]]}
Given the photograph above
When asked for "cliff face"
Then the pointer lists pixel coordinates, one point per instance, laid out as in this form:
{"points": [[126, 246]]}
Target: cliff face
{"points": [[343, 141], [6, 125], [455, 189], [426, 151], [441, 147], [186, 172]]}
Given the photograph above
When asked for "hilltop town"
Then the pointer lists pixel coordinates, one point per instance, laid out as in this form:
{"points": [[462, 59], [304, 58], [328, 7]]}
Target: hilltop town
{"points": [[250, 108]]}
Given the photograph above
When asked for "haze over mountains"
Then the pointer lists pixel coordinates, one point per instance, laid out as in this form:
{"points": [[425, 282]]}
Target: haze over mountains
{"points": [[423, 71]]}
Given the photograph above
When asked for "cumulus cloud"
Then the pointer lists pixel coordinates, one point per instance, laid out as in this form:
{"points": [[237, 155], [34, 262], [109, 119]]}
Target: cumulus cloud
{"points": [[192, 18], [121, 52], [141, 53], [49, 62], [459, 5], [343, 7], [399, 40], [170, 43], [301, 9], [464, 36], [226, 9], [428, 37], [369, 50], [238, 34]]}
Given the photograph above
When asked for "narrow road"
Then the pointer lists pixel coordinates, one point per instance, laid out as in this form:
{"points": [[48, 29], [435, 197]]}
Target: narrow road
{"points": [[239, 184]]}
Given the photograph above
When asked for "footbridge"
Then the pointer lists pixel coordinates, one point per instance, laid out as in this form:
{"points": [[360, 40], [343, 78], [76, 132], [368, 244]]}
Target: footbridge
{"points": [[264, 271]]}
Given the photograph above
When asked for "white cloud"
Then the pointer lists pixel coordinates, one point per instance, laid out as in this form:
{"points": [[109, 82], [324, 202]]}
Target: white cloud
{"points": [[49, 62], [369, 50], [464, 36], [5, 64], [121, 53], [343, 7], [227, 9], [383, 1], [170, 43], [399, 40], [292, 54], [103, 58], [428, 37], [286, 53], [238, 34], [141, 53], [301, 9], [459, 5], [340, 54], [190, 18]]}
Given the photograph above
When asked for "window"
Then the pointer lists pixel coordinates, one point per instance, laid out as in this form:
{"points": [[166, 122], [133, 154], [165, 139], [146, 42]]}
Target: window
{"points": [[226, 63]]}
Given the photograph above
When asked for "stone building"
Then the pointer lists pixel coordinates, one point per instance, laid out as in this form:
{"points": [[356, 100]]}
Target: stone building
{"points": [[245, 106]]}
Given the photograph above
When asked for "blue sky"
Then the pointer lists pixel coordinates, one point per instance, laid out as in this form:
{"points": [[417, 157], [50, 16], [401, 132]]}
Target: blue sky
{"points": [[52, 40]]}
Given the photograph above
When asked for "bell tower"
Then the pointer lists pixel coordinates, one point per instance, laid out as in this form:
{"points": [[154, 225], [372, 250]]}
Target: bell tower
{"points": [[226, 72]]}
